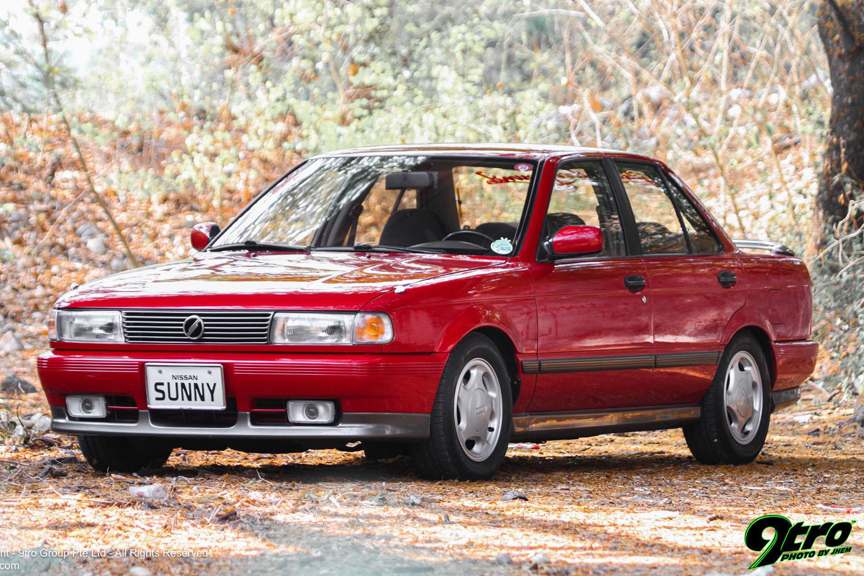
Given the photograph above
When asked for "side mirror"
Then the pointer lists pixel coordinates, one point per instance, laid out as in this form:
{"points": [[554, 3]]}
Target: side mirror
{"points": [[571, 240], [202, 234]]}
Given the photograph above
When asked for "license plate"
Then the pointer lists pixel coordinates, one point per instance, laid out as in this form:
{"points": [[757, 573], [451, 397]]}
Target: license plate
{"points": [[191, 387]]}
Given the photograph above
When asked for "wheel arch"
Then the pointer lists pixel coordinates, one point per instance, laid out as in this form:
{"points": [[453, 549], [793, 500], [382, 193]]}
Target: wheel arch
{"points": [[507, 348], [765, 342], [752, 319]]}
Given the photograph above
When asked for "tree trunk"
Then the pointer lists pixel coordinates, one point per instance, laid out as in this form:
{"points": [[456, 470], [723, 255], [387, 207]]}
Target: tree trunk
{"points": [[841, 28]]}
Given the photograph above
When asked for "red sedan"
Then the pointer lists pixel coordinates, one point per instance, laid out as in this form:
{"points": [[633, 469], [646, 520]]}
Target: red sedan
{"points": [[441, 301]]}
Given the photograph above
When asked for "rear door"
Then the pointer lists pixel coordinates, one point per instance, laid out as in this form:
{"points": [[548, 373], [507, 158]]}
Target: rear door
{"points": [[594, 341], [694, 285]]}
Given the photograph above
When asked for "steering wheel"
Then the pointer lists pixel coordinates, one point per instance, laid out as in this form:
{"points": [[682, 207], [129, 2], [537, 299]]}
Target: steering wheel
{"points": [[488, 239]]}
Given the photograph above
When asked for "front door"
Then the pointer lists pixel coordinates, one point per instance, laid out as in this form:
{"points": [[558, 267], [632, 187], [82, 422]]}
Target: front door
{"points": [[594, 343], [694, 285]]}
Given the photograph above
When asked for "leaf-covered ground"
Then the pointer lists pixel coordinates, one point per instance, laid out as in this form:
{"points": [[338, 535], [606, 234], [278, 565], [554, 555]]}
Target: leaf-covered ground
{"points": [[634, 503], [627, 503]]}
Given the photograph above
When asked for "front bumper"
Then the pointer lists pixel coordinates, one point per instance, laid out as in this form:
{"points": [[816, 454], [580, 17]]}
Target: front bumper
{"points": [[403, 383], [378, 395], [353, 426]]}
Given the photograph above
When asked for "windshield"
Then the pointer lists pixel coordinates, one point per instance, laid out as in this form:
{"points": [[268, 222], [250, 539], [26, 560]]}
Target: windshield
{"points": [[398, 203]]}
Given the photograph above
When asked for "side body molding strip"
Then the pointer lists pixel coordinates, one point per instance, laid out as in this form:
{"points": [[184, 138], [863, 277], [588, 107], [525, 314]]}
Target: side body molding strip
{"points": [[603, 363], [595, 364], [687, 359]]}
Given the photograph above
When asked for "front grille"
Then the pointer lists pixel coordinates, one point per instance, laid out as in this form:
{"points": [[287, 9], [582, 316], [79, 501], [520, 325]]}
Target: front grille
{"points": [[269, 412], [122, 408], [197, 418], [220, 327]]}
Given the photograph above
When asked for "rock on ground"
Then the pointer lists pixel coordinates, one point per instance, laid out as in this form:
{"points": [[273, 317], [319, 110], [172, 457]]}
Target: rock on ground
{"points": [[9, 342], [12, 384]]}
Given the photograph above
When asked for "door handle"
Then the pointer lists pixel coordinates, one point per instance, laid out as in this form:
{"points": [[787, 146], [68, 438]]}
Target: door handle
{"points": [[634, 282], [727, 278]]}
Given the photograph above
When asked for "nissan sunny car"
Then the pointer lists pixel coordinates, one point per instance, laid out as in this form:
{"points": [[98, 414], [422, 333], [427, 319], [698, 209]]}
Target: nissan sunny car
{"points": [[439, 301]]}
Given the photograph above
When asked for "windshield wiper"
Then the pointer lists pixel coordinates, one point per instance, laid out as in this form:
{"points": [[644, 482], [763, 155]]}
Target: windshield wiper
{"points": [[365, 247], [262, 246]]}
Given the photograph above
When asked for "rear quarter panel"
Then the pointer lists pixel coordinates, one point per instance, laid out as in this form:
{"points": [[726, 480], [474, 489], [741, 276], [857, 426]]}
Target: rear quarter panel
{"points": [[780, 302], [779, 288]]}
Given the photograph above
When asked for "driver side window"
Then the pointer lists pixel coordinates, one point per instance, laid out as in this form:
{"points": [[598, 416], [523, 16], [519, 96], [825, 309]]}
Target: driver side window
{"points": [[582, 196]]}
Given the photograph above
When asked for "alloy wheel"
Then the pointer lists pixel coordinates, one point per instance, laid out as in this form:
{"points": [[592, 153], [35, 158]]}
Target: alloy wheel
{"points": [[742, 398], [478, 410]]}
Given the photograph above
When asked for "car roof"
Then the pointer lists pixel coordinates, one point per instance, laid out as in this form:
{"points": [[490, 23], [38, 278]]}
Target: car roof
{"points": [[533, 151]]}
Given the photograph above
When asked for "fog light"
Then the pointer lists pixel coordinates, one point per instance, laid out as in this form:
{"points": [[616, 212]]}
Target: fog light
{"points": [[86, 406], [311, 412]]}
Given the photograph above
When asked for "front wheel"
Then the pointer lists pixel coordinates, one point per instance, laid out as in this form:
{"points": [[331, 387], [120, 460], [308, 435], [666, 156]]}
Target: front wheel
{"points": [[118, 454], [470, 426], [737, 408]]}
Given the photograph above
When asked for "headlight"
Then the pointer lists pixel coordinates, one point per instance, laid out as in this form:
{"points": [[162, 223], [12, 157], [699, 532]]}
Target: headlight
{"points": [[326, 328], [307, 328], [85, 326]]}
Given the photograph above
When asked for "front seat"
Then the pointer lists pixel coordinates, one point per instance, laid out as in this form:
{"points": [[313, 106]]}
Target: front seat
{"points": [[496, 230], [412, 226]]}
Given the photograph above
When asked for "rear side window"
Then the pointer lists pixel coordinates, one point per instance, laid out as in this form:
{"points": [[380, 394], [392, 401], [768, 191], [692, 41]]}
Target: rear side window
{"points": [[658, 223], [582, 196]]}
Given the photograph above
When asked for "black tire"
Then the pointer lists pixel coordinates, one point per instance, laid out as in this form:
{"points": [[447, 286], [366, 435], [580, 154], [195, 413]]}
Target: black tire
{"points": [[442, 456], [711, 439], [118, 454]]}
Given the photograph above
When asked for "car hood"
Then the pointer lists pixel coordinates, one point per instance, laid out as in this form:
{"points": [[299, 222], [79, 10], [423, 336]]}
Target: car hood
{"points": [[285, 281]]}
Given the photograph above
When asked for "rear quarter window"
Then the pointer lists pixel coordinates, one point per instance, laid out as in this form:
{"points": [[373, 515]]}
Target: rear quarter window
{"points": [[701, 236]]}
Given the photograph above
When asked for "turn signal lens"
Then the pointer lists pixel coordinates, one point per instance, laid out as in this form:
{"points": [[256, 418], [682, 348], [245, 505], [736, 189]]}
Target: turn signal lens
{"points": [[372, 328], [52, 324]]}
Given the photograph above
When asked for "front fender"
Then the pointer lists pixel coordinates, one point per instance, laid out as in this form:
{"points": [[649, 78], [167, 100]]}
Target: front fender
{"points": [[517, 327], [434, 316]]}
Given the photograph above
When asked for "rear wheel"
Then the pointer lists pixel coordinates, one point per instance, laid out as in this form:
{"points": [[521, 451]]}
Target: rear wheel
{"points": [[737, 408], [118, 454], [470, 426]]}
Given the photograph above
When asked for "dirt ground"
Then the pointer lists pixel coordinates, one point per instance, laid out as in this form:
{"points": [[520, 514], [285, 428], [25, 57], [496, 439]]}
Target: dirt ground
{"points": [[627, 503]]}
